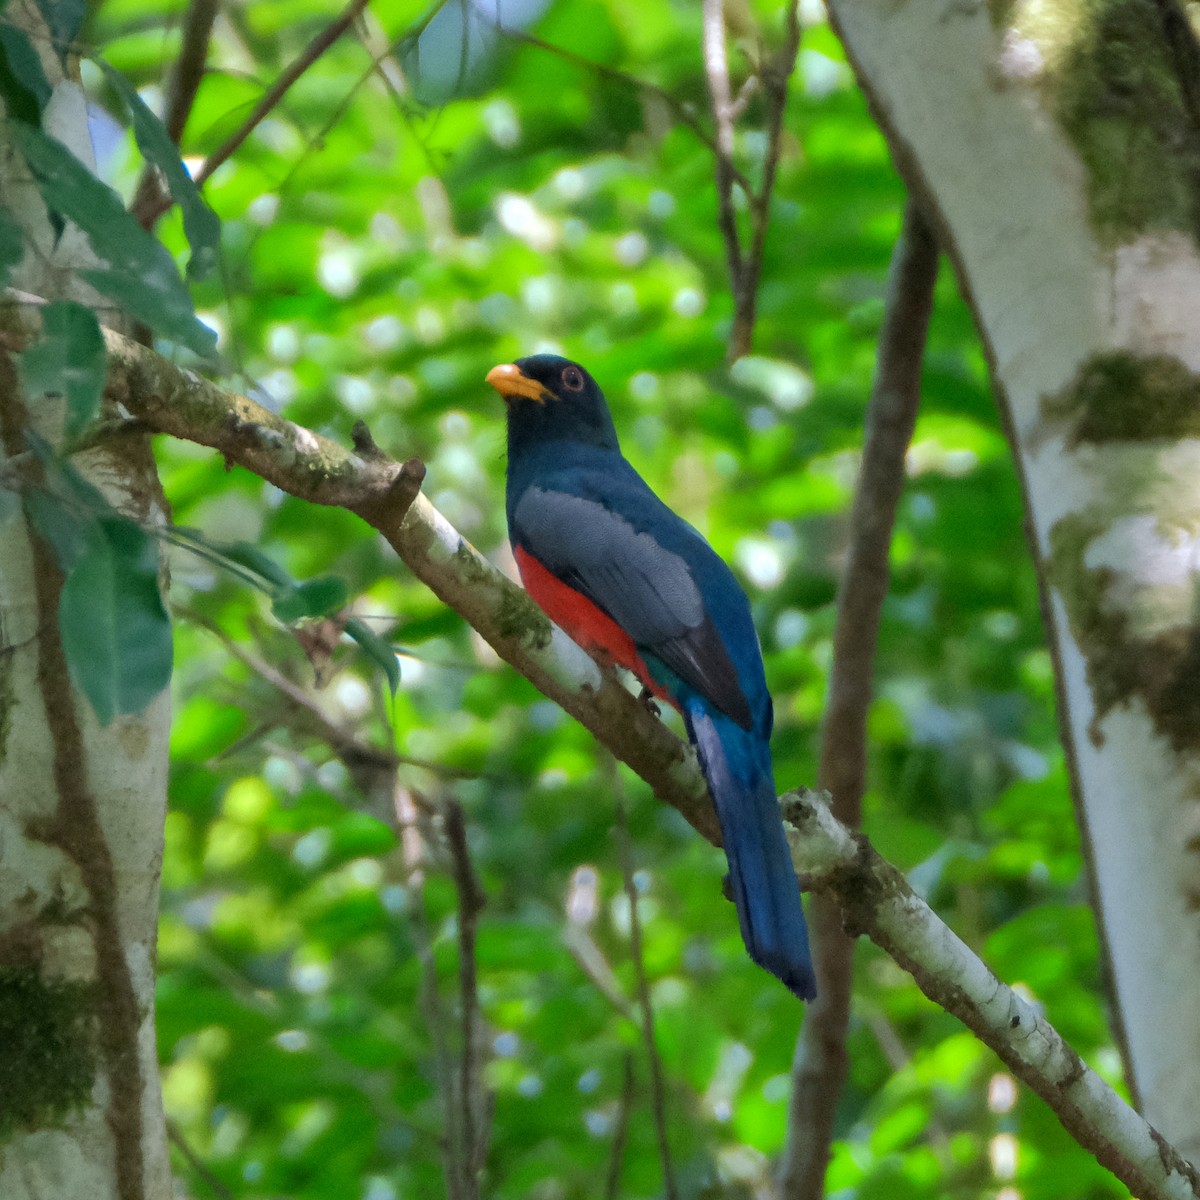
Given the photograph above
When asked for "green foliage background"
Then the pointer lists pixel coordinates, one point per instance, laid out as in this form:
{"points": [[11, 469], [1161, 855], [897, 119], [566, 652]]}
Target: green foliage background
{"points": [[379, 254]]}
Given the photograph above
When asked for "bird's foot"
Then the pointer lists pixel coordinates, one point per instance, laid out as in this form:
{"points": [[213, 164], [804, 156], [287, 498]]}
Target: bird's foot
{"points": [[646, 697]]}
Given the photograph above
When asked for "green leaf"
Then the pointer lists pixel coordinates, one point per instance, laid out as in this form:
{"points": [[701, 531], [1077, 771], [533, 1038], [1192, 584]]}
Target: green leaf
{"points": [[160, 302], [12, 245], [64, 529], [68, 360], [247, 554], [23, 83], [140, 273], [200, 223], [378, 650], [115, 629], [314, 598]]}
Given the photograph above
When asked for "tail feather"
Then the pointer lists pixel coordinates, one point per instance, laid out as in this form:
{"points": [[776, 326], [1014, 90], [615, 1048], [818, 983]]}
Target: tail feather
{"points": [[737, 765]]}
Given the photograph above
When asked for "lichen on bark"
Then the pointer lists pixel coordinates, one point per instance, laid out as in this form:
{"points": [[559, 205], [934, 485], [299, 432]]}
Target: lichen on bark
{"points": [[1122, 396], [49, 1061], [1159, 670], [1109, 77]]}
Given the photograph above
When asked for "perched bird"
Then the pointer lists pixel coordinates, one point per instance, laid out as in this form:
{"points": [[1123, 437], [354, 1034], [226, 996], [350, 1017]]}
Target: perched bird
{"points": [[631, 581]]}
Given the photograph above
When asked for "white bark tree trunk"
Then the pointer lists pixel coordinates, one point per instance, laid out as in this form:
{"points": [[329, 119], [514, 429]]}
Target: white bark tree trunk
{"points": [[81, 809], [1059, 158]]}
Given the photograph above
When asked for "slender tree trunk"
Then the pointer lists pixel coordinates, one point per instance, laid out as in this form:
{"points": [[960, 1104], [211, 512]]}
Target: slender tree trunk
{"points": [[81, 806], [1058, 150]]}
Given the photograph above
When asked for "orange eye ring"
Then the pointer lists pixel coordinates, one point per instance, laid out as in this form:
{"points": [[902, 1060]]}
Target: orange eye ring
{"points": [[572, 379]]}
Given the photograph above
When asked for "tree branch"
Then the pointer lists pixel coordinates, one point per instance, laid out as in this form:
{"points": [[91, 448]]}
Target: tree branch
{"points": [[775, 76], [473, 1099], [876, 900], [819, 1069], [210, 1177], [384, 493], [616, 1155], [874, 897]]}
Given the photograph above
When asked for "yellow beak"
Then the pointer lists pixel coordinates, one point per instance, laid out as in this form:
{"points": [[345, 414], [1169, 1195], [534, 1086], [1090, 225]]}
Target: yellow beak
{"points": [[508, 380]]}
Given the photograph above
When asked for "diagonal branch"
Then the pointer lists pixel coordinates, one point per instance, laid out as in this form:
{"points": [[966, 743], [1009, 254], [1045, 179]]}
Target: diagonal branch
{"points": [[875, 898], [819, 1069], [270, 100], [384, 494]]}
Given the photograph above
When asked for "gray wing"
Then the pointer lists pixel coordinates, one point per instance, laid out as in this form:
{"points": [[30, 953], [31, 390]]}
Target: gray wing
{"points": [[647, 590]]}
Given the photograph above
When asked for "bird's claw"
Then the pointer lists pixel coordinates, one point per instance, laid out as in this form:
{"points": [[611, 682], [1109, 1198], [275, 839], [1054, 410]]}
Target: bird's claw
{"points": [[646, 697]]}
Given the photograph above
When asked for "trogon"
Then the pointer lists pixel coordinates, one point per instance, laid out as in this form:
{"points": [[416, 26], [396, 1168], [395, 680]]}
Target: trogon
{"points": [[634, 583]]}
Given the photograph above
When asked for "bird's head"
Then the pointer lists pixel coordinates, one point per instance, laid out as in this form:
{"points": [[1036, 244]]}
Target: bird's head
{"points": [[550, 398]]}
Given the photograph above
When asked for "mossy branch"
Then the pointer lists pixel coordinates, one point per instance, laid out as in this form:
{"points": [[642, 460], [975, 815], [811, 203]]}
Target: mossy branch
{"points": [[874, 896]]}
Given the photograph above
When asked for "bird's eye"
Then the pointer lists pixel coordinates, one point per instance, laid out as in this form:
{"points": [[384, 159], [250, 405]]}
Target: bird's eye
{"points": [[572, 378]]}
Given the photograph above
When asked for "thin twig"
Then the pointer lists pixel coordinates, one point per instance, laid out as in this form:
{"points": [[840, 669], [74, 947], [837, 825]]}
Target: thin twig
{"points": [[372, 768], [186, 75], [616, 1156], [180, 1142], [716, 72], [658, 1100], [745, 264], [819, 1069], [471, 899], [683, 112], [274, 94], [775, 75]]}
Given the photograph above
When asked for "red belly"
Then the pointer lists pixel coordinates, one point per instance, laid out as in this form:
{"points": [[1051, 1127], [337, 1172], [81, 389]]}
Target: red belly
{"points": [[576, 615]]}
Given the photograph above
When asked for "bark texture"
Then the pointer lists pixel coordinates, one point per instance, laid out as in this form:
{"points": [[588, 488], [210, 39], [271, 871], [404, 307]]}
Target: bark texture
{"points": [[81, 807], [1058, 154]]}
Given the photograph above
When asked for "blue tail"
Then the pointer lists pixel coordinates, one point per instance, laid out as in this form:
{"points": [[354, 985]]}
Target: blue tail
{"points": [[737, 765]]}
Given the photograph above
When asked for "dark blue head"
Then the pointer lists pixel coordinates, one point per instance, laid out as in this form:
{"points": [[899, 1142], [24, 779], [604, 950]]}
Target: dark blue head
{"points": [[551, 399]]}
